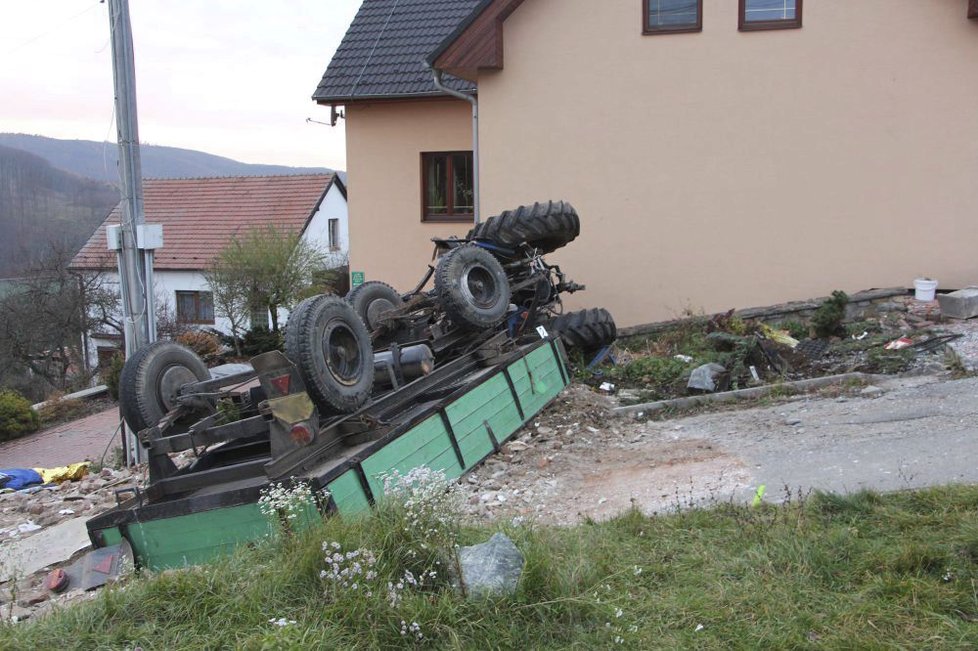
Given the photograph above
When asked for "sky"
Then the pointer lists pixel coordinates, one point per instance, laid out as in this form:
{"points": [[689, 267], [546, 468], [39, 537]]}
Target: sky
{"points": [[229, 77]]}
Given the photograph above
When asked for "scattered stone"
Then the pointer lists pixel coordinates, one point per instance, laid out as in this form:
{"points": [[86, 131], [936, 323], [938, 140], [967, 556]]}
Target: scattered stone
{"points": [[544, 430], [871, 391], [516, 446], [19, 613], [705, 377], [491, 568], [792, 422]]}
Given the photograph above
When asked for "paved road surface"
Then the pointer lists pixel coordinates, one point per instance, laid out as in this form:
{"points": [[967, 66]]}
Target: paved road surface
{"points": [[79, 440]]}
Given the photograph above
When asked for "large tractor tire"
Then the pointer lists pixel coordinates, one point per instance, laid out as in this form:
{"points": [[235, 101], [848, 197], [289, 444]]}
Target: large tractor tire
{"points": [[150, 380], [472, 287], [544, 226], [586, 330], [371, 299], [330, 346]]}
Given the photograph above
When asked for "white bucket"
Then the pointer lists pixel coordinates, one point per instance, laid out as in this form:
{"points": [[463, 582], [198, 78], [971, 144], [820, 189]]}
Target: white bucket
{"points": [[924, 289]]}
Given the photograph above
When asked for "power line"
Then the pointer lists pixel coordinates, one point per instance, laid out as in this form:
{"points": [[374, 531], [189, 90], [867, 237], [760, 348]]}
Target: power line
{"points": [[53, 29]]}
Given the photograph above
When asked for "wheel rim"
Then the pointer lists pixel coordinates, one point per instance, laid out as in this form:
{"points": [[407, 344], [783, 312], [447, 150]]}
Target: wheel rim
{"points": [[171, 379], [479, 286], [341, 352], [375, 309]]}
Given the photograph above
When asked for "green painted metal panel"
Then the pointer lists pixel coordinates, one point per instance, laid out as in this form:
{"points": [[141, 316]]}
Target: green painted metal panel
{"points": [[348, 494], [425, 444], [537, 379], [196, 537], [111, 536], [492, 403]]}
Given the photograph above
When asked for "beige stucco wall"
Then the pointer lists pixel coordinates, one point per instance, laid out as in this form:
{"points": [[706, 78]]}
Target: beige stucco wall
{"points": [[722, 169], [388, 241]]}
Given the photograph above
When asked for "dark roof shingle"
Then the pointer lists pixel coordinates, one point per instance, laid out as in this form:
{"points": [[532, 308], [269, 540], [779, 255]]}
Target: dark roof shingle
{"points": [[199, 216], [383, 51]]}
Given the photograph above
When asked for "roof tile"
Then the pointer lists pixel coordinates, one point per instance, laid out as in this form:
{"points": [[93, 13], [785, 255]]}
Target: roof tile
{"points": [[201, 215], [383, 51]]}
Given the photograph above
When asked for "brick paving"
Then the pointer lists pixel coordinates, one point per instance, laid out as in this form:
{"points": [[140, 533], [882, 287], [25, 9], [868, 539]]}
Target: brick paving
{"points": [[78, 440]]}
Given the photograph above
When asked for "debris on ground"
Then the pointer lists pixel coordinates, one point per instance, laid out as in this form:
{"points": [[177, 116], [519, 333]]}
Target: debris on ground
{"points": [[899, 335], [38, 509]]}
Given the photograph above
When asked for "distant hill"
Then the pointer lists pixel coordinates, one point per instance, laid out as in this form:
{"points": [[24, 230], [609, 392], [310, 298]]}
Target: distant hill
{"points": [[56, 192], [98, 160], [43, 207]]}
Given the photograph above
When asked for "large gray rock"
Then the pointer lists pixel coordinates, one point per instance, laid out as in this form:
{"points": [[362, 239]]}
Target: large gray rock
{"points": [[962, 304], [706, 377], [491, 568]]}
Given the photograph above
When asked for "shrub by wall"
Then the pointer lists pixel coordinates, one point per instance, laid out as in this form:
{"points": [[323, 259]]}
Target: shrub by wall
{"points": [[16, 416]]}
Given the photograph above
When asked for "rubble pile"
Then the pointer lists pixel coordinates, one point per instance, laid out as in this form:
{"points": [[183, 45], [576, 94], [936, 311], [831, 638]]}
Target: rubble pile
{"points": [[23, 513], [26, 513]]}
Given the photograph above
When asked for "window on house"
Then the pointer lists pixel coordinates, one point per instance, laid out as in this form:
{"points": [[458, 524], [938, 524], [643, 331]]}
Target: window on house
{"points": [[769, 14], [195, 307], [447, 186], [259, 317], [673, 16], [334, 234]]}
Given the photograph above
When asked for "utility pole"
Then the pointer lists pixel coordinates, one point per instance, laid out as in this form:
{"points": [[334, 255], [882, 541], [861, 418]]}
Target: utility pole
{"points": [[137, 294], [133, 240]]}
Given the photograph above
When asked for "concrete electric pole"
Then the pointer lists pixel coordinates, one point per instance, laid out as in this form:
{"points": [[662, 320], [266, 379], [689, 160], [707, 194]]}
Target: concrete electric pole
{"points": [[137, 293], [133, 240]]}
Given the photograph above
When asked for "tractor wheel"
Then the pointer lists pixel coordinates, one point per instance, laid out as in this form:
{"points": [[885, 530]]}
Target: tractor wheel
{"points": [[372, 299], [472, 287], [586, 330], [544, 226], [151, 378], [330, 346]]}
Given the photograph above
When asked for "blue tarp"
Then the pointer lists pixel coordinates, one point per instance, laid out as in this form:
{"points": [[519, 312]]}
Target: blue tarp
{"points": [[19, 478]]}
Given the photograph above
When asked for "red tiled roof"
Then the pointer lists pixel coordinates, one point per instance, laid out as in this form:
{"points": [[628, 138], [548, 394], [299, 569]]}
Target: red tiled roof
{"points": [[199, 216]]}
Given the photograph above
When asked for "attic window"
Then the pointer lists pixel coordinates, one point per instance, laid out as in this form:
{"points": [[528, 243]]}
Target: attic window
{"points": [[769, 14], [672, 16]]}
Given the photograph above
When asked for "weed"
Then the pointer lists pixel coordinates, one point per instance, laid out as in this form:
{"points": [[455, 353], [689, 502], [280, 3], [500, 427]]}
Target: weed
{"points": [[58, 409], [827, 320]]}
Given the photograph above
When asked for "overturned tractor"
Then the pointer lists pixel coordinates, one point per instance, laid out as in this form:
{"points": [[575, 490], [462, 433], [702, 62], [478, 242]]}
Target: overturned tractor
{"points": [[374, 382]]}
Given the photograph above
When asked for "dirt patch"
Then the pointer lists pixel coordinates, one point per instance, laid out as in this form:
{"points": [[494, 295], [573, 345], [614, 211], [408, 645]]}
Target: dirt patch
{"points": [[578, 461]]}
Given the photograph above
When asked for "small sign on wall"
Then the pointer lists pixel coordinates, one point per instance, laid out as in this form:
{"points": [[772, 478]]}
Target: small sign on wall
{"points": [[356, 278]]}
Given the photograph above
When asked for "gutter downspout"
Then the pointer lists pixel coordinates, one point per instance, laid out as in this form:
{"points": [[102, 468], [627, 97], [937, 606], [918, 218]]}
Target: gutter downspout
{"points": [[471, 99]]}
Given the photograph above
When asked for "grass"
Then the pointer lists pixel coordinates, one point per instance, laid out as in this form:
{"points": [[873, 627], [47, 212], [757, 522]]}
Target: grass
{"points": [[827, 571]]}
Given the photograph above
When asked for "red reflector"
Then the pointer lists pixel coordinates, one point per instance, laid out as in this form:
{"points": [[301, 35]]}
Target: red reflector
{"points": [[281, 383], [301, 434]]}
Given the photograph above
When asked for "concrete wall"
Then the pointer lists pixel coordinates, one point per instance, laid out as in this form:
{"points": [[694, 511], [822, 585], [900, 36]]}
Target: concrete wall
{"points": [[721, 168], [388, 241]]}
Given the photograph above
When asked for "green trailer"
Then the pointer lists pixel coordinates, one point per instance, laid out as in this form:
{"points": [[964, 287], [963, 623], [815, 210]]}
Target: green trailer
{"points": [[451, 420]]}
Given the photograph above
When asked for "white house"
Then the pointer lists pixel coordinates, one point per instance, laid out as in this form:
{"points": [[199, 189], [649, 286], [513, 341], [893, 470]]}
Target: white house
{"points": [[200, 216]]}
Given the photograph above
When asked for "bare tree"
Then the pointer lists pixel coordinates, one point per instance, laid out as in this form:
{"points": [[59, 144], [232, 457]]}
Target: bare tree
{"points": [[264, 269], [45, 316]]}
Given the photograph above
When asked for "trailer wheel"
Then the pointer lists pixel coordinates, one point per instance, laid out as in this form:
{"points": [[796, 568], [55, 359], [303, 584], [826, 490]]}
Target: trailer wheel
{"points": [[330, 346], [372, 299], [544, 226], [586, 330], [472, 287], [151, 378]]}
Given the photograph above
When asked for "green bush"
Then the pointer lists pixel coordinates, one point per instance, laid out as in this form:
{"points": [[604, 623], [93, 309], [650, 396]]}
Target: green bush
{"points": [[827, 320], [110, 376], [260, 340], [16, 416]]}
